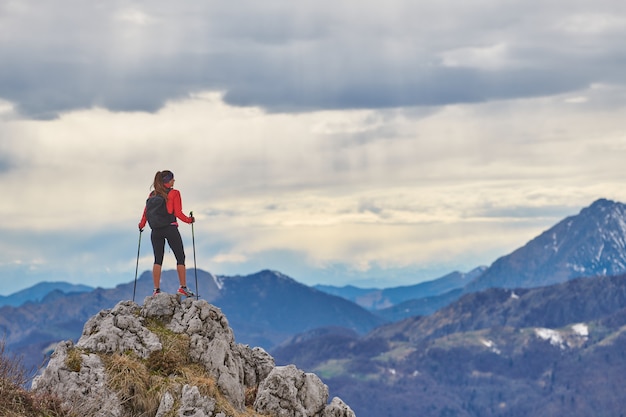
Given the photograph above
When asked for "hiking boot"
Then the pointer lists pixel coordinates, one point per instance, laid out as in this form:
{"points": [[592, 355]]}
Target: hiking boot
{"points": [[185, 291], [156, 291]]}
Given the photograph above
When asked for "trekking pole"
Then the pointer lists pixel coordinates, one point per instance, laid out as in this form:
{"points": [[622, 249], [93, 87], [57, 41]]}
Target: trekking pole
{"points": [[137, 266], [195, 269]]}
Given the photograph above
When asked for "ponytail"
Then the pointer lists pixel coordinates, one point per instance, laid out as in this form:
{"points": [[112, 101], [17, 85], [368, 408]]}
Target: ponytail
{"points": [[158, 185]]}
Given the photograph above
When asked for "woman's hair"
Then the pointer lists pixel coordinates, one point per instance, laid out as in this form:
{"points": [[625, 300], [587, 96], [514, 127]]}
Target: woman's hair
{"points": [[160, 179]]}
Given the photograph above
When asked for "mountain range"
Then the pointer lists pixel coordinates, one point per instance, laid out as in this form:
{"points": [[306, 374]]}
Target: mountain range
{"points": [[264, 309], [39, 291], [467, 344], [540, 332], [380, 299], [591, 243], [555, 350]]}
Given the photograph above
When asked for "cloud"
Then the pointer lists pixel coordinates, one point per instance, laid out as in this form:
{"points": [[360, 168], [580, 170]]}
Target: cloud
{"points": [[329, 165], [288, 57]]}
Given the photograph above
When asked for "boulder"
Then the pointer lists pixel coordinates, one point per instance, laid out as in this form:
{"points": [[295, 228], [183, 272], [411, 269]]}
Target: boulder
{"points": [[290, 392], [118, 330], [337, 408]]}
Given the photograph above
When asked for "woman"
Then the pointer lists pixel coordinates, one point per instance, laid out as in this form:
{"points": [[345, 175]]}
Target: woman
{"points": [[171, 208]]}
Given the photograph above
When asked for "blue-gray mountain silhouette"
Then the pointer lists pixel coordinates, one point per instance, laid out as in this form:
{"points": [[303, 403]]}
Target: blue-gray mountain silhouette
{"points": [[591, 243]]}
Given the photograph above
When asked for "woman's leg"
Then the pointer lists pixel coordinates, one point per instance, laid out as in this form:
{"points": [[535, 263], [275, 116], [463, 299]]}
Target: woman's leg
{"points": [[156, 275], [158, 247], [176, 243], [182, 275]]}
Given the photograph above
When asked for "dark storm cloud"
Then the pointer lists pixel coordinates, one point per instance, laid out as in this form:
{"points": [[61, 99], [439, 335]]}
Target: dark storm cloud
{"points": [[436, 87], [50, 88], [43, 89], [283, 57]]}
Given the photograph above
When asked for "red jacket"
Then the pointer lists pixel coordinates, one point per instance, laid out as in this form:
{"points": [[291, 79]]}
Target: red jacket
{"points": [[174, 206]]}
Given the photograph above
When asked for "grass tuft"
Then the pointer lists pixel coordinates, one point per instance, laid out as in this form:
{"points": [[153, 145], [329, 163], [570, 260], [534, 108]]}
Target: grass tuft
{"points": [[15, 401], [141, 383], [130, 379], [74, 359]]}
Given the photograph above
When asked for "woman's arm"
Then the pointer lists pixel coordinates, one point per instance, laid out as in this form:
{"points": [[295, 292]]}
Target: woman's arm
{"points": [[175, 206], [144, 219]]}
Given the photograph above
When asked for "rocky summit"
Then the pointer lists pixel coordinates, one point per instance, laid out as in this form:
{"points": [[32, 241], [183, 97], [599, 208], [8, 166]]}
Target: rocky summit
{"points": [[176, 358]]}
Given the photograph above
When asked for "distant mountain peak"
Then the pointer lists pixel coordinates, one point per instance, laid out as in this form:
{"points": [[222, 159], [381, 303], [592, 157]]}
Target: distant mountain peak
{"points": [[591, 243], [604, 209], [278, 274], [603, 203], [40, 292], [270, 273]]}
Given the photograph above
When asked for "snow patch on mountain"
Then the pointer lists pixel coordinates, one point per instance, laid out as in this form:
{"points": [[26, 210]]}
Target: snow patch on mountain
{"points": [[576, 268], [491, 345], [552, 336], [218, 282], [554, 244], [581, 329], [573, 337]]}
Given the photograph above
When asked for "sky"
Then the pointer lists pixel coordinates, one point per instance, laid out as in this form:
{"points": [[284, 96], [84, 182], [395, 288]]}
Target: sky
{"points": [[355, 142]]}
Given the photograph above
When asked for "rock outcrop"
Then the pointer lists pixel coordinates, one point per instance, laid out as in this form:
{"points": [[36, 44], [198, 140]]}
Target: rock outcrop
{"points": [[176, 358]]}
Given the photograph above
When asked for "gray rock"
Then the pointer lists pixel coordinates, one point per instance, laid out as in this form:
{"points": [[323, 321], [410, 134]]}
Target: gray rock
{"points": [[257, 364], [213, 345], [83, 391], [290, 392], [337, 408], [237, 369], [166, 406], [160, 306], [193, 404], [119, 330]]}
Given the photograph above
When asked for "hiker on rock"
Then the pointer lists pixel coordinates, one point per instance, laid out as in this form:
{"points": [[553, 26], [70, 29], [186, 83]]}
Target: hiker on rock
{"points": [[163, 207]]}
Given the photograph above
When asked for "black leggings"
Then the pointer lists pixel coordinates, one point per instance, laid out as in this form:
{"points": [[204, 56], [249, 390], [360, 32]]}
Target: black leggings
{"points": [[172, 235]]}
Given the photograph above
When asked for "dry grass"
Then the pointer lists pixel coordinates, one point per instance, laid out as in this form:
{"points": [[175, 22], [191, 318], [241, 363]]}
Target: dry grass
{"points": [[15, 401], [195, 375], [74, 360], [141, 383], [133, 383], [175, 352], [11, 367]]}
